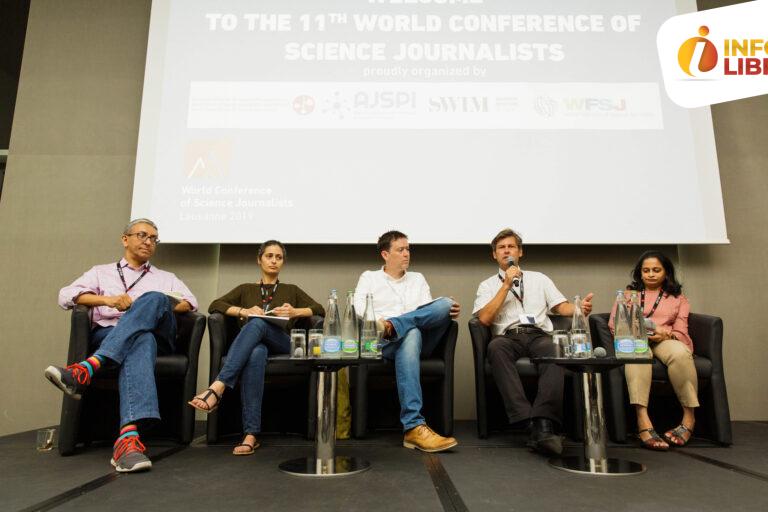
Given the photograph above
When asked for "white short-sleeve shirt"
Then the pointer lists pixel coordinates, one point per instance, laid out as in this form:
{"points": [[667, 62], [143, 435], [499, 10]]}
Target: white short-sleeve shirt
{"points": [[391, 297], [541, 295]]}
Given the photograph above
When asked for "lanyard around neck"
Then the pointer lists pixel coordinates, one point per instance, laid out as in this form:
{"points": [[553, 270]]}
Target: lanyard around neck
{"points": [[266, 294], [122, 277], [655, 304], [522, 290]]}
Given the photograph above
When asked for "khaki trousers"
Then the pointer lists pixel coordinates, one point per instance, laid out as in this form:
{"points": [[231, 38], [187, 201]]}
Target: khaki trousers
{"points": [[678, 359]]}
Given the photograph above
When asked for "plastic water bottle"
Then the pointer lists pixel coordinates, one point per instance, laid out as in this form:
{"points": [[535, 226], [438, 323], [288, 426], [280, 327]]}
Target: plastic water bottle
{"points": [[332, 329], [350, 341], [623, 340], [369, 336], [581, 345], [639, 332]]}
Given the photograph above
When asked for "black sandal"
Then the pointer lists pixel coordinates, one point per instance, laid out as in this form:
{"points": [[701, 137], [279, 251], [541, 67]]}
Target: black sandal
{"points": [[251, 447], [678, 432], [652, 442], [208, 408]]}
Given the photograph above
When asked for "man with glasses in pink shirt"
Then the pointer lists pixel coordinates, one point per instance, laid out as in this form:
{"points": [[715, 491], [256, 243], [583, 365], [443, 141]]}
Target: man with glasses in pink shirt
{"points": [[132, 320]]}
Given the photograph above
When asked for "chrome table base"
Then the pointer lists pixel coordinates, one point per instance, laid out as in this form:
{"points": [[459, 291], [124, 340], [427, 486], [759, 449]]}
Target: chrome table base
{"points": [[313, 467], [325, 463], [606, 467], [594, 461]]}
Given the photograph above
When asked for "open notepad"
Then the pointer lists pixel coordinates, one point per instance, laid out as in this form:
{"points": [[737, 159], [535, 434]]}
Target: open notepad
{"points": [[279, 321]]}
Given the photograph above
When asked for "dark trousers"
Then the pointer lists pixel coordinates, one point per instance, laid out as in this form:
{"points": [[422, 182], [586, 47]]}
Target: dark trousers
{"points": [[503, 351]]}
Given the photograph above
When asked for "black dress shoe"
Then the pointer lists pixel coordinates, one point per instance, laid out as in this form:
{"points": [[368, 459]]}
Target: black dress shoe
{"points": [[521, 425], [543, 438]]}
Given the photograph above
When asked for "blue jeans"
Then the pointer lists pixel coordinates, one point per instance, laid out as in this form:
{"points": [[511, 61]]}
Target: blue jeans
{"points": [[247, 358], [417, 335], [146, 328]]}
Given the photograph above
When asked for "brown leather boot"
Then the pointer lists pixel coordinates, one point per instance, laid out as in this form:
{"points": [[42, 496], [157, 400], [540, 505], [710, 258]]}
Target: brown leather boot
{"points": [[425, 439]]}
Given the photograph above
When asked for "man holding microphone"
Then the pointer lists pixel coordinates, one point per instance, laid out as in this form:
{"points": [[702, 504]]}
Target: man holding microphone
{"points": [[515, 305]]}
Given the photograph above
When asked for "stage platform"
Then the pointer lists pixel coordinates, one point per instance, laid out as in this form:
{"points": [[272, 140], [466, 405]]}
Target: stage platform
{"points": [[494, 474]]}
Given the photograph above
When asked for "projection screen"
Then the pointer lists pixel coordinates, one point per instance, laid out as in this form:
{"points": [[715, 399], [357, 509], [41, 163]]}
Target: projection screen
{"points": [[332, 122]]}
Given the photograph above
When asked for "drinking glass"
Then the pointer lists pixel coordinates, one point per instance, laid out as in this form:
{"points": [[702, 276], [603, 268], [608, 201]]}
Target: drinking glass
{"points": [[315, 343], [562, 343], [298, 344], [45, 439]]}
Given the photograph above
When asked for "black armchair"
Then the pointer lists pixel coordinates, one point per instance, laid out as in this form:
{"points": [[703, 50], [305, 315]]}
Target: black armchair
{"points": [[491, 414], [379, 380], [289, 403], [713, 419], [96, 416]]}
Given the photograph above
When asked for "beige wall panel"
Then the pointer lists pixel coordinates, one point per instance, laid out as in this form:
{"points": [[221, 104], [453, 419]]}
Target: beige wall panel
{"points": [[82, 77]]}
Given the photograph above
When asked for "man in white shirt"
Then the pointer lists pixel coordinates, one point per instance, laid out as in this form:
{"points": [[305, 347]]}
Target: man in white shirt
{"points": [[413, 325], [515, 305]]}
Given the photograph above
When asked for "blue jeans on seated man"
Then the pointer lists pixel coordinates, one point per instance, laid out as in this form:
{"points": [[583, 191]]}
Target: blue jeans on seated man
{"points": [[417, 335], [247, 359], [146, 328]]}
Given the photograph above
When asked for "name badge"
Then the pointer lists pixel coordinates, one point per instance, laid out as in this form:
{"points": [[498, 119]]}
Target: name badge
{"points": [[527, 319]]}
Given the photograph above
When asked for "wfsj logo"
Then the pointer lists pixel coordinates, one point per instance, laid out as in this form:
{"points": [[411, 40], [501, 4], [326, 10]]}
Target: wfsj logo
{"points": [[697, 54], [727, 60]]}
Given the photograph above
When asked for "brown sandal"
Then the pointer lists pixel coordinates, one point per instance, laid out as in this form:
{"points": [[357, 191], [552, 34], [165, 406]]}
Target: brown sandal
{"points": [[678, 433], [208, 408], [652, 443], [251, 447]]}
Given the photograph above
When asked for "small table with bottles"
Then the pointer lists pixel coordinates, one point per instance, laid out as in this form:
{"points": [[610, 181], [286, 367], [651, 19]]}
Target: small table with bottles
{"points": [[594, 460], [325, 462]]}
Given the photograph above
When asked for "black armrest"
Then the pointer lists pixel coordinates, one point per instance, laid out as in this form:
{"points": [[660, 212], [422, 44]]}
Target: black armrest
{"points": [[707, 334], [446, 347], [446, 350], [481, 336], [601, 334], [311, 322], [79, 334], [190, 327], [217, 339]]}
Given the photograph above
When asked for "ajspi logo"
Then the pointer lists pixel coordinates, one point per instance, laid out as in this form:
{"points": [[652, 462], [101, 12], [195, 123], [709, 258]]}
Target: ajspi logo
{"points": [[468, 104], [385, 100]]}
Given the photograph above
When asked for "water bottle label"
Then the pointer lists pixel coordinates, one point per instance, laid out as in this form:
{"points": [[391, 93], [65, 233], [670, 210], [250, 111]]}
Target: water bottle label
{"points": [[624, 345], [349, 346], [331, 345], [641, 346], [579, 343]]}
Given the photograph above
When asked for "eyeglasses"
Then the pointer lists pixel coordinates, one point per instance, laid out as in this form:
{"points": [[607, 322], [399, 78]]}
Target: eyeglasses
{"points": [[143, 237]]}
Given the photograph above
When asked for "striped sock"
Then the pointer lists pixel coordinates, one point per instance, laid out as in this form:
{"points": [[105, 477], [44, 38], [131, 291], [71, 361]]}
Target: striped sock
{"points": [[92, 364], [128, 430]]}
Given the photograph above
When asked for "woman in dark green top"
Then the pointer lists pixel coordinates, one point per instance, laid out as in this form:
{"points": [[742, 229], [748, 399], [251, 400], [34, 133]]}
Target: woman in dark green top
{"points": [[247, 357]]}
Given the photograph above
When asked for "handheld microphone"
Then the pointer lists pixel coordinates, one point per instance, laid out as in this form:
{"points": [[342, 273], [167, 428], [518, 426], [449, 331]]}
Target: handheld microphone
{"points": [[599, 352], [512, 263]]}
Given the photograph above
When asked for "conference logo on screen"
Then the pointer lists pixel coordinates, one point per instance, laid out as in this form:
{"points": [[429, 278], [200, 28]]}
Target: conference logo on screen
{"points": [[716, 55]]}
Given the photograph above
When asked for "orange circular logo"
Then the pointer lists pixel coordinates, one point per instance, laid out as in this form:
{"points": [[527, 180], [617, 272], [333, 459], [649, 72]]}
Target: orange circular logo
{"points": [[701, 47]]}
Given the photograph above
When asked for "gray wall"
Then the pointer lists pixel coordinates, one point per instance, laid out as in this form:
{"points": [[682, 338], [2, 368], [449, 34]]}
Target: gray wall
{"points": [[68, 189]]}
